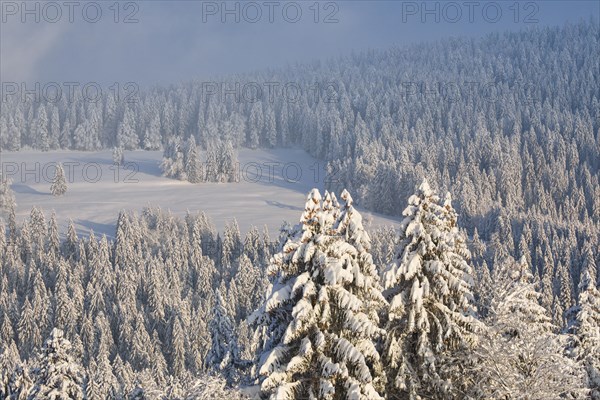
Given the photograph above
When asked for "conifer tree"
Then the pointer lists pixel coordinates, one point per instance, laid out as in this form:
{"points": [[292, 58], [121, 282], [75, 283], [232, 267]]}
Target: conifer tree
{"points": [[231, 249], [431, 313], [59, 183], [151, 138], [173, 163], [127, 137], [251, 285], [193, 169], [564, 284], [586, 327], [58, 377], [483, 289], [53, 238], [547, 294], [41, 130], [321, 317], [28, 331], [518, 353], [118, 156], [177, 347], [7, 196], [223, 353]]}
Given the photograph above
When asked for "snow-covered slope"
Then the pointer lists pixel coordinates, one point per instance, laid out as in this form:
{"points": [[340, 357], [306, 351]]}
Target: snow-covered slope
{"points": [[272, 188]]}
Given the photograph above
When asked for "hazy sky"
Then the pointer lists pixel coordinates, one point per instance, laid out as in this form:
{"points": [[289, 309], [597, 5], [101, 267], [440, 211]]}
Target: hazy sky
{"points": [[172, 41]]}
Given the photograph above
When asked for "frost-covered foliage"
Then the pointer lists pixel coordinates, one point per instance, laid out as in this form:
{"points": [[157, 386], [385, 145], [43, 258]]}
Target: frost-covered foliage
{"points": [[150, 311], [212, 387], [321, 315], [136, 309], [586, 328], [181, 160], [59, 183], [431, 314], [192, 165], [221, 162], [173, 164], [58, 376], [519, 354], [118, 156], [520, 156], [223, 352], [55, 376], [7, 196]]}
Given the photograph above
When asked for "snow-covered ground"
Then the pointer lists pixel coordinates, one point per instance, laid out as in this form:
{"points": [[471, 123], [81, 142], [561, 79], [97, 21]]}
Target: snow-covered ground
{"points": [[272, 187]]}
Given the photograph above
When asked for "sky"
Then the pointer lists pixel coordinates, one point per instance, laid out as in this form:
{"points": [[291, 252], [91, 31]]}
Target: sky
{"points": [[167, 42]]}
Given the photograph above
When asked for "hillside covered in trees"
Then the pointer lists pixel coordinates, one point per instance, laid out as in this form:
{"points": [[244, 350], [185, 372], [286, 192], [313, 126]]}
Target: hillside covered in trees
{"points": [[490, 292], [171, 309], [507, 123]]}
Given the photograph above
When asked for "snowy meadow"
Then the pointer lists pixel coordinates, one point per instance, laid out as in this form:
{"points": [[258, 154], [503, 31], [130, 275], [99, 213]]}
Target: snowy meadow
{"points": [[268, 188]]}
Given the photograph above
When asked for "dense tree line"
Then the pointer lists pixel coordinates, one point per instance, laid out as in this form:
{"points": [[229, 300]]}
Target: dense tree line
{"points": [[508, 123], [182, 160], [137, 310], [171, 308]]}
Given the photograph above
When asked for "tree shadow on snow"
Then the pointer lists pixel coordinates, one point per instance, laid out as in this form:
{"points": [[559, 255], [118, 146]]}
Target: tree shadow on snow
{"points": [[26, 189], [281, 205], [98, 228]]}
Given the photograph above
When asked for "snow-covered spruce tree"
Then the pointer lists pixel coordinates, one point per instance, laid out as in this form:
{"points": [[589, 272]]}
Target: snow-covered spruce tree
{"points": [[321, 316], [193, 167], [172, 164], [59, 183], [58, 377], [564, 282], [151, 139], [211, 387], [7, 196], [228, 163], [40, 125], [118, 156], [127, 137], [431, 320], [483, 289], [211, 170], [251, 283], [519, 355], [586, 327], [223, 353], [19, 385], [14, 376]]}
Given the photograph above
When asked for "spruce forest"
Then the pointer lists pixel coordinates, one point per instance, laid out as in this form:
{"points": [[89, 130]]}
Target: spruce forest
{"points": [[484, 153]]}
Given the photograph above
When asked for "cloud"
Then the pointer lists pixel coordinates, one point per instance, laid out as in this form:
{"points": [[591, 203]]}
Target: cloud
{"points": [[23, 46], [172, 43]]}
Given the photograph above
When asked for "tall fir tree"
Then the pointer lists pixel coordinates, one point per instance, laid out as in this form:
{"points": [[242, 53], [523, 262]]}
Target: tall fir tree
{"points": [[519, 354], [223, 353], [431, 314], [127, 137], [59, 376], [585, 325], [7, 196], [59, 183], [321, 316], [193, 168]]}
